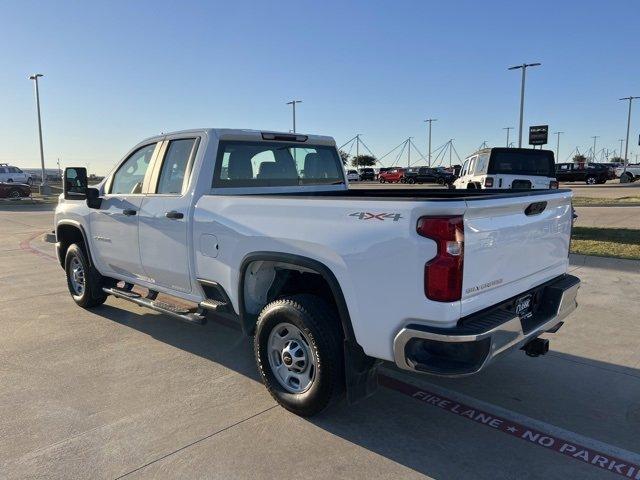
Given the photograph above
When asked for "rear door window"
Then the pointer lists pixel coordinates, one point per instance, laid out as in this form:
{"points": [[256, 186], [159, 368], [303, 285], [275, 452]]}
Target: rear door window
{"points": [[174, 167]]}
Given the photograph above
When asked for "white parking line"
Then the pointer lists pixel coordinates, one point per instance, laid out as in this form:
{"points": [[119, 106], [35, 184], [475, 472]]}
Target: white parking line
{"points": [[585, 449]]}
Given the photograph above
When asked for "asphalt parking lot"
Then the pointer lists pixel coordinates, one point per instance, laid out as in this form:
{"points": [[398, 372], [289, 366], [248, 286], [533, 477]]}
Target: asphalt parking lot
{"points": [[124, 392]]}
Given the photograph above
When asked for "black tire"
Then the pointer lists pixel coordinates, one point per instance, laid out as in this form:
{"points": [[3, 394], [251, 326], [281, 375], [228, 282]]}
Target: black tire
{"points": [[626, 177], [440, 181], [591, 180], [14, 193], [382, 180], [312, 316], [411, 181], [92, 294]]}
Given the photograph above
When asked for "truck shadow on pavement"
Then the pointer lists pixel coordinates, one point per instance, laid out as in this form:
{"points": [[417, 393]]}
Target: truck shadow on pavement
{"points": [[589, 397]]}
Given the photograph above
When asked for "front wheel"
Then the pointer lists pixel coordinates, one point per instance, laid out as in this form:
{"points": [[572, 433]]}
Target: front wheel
{"points": [[298, 350], [591, 180], [83, 280]]}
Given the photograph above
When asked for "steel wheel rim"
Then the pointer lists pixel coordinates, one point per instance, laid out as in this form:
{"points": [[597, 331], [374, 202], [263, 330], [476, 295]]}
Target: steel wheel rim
{"points": [[76, 276], [291, 358]]}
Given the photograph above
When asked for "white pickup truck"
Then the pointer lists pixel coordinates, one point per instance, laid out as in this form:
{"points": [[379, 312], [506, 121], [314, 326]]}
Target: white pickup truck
{"points": [[261, 228]]}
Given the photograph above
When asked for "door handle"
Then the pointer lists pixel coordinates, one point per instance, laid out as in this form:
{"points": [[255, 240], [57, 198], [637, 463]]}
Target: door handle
{"points": [[128, 212], [173, 215]]}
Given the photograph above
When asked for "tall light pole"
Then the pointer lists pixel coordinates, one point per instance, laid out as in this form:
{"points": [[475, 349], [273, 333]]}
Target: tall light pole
{"points": [[429, 121], [593, 154], [620, 152], [626, 148], [524, 74], [558, 145], [44, 187], [293, 105], [507, 129]]}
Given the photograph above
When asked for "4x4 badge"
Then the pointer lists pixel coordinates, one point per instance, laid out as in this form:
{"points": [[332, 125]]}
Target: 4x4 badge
{"points": [[376, 216]]}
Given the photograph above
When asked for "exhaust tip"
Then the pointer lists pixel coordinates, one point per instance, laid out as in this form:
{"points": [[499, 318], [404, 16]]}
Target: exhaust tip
{"points": [[536, 347]]}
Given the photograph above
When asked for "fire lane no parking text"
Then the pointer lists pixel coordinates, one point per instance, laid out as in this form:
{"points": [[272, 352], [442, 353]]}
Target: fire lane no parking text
{"points": [[535, 436]]}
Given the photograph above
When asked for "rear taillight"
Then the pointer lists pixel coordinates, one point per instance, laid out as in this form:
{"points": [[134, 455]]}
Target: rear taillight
{"points": [[488, 182], [443, 273], [553, 184]]}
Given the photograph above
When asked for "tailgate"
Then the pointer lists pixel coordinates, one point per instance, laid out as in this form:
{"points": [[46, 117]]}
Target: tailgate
{"points": [[513, 244]]}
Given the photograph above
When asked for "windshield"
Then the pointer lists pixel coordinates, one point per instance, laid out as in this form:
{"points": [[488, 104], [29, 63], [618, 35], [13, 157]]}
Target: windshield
{"points": [[522, 162], [260, 164]]}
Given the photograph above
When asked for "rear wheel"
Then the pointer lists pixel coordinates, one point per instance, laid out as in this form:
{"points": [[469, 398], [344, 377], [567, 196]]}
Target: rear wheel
{"points": [[83, 280], [14, 193], [298, 350], [382, 180], [626, 177]]}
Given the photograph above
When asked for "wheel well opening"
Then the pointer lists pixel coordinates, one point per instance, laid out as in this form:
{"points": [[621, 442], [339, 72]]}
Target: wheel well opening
{"points": [[67, 235], [266, 281]]}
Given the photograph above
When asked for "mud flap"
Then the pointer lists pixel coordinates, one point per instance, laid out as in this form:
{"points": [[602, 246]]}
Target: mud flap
{"points": [[361, 373]]}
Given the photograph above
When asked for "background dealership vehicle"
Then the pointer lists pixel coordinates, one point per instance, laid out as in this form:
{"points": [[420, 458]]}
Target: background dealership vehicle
{"points": [[630, 174], [353, 176], [367, 173], [591, 173], [428, 175], [395, 175], [14, 190], [261, 228], [13, 174], [503, 168]]}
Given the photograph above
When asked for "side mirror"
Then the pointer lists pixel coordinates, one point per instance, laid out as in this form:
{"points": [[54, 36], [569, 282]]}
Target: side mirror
{"points": [[75, 183]]}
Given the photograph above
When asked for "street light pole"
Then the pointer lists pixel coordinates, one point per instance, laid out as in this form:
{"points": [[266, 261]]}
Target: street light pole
{"points": [[44, 187], [293, 105], [620, 152], [593, 153], [626, 147], [507, 129], [429, 121], [524, 74], [558, 145]]}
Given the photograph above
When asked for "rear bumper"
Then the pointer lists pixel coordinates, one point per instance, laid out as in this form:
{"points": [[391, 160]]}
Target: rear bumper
{"points": [[478, 339]]}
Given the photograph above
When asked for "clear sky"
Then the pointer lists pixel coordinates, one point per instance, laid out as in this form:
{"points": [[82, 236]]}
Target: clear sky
{"points": [[119, 71]]}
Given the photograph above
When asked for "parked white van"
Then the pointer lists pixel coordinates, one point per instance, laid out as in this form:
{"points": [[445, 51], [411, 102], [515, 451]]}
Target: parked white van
{"points": [[508, 168]]}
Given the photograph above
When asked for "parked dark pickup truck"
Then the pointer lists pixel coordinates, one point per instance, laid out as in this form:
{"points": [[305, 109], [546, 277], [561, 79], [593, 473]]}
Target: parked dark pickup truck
{"points": [[591, 173]]}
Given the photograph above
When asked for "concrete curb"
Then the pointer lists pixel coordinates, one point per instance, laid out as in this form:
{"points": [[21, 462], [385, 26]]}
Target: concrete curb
{"points": [[624, 265]]}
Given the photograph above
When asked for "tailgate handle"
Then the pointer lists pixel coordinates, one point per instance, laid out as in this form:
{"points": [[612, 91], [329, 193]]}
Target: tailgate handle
{"points": [[535, 208]]}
